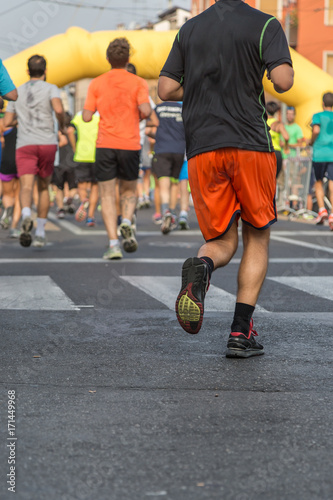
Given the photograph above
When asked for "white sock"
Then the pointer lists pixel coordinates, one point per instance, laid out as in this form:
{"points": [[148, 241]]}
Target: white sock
{"points": [[26, 212], [113, 243], [126, 221], [183, 213], [40, 231]]}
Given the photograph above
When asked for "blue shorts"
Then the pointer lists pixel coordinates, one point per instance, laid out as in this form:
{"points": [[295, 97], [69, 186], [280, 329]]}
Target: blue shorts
{"points": [[323, 169], [184, 172]]}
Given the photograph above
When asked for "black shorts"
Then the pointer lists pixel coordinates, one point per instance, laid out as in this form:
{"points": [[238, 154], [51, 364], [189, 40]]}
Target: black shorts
{"points": [[167, 164], [62, 175], [117, 163], [85, 172], [322, 168]]}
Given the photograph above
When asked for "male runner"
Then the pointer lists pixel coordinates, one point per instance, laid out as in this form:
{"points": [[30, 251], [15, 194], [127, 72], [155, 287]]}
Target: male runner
{"points": [[122, 99], [322, 142], [215, 67], [36, 144]]}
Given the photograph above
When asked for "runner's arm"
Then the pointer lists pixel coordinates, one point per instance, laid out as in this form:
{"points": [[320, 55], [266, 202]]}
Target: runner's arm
{"points": [[71, 137], [11, 96], [9, 119], [315, 133], [153, 121], [59, 112], [144, 110], [169, 89], [282, 78], [87, 115]]}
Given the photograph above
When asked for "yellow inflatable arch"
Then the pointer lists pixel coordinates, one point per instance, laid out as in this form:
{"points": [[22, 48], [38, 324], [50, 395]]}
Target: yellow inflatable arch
{"points": [[79, 54]]}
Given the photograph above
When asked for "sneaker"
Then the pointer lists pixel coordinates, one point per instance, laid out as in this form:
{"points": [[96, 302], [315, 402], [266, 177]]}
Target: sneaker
{"points": [[243, 346], [90, 222], [147, 202], [330, 222], [69, 205], [14, 233], [60, 213], [81, 213], [39, 242], [25, 236], [129, 242], [182, 223], [157, 218], [113, 253], [6, 218], [168, 222], [322, 215], [140, 204], [190, 300]]}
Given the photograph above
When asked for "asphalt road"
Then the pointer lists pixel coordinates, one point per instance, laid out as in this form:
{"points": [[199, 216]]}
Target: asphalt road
{"points": [[113, 400]]}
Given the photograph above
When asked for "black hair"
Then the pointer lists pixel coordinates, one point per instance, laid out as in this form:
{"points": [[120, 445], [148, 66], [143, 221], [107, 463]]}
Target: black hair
{"points": [[328, 100], [36, 66], [272, 107]]}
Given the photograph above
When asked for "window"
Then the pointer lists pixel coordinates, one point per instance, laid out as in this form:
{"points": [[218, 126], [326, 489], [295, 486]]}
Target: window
{"points": [[273, 7], [328, 12], [328, 62]]}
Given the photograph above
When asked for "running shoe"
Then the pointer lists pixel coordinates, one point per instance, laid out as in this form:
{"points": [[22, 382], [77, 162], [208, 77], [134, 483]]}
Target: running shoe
{"points": [[330, 222], [190, 300], [157, 218], [243, 346], [25, 236], [322, 215], [113, 253], [81, 213], [14, 233], [69, 206], [6, 218], [129, 242], [60, 213], [90, 222], [39, 242], [140, 204], [168, 222], [147, 202], [183, 223]]}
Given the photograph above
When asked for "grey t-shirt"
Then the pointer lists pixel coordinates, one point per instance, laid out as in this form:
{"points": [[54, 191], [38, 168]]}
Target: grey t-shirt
{"points": [[33, 108]]}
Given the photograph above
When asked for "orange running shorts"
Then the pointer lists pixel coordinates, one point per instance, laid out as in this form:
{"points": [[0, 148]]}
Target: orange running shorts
{"points": [[229, 183]]}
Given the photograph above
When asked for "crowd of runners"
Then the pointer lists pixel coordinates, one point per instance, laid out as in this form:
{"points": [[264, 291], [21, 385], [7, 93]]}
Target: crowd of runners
{"points": [[120, 154], [213, 107]]}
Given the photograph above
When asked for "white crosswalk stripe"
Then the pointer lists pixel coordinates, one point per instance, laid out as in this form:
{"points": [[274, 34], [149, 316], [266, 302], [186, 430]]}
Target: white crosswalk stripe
{"points": [[166, 288], [33, 293], [320, 286]]}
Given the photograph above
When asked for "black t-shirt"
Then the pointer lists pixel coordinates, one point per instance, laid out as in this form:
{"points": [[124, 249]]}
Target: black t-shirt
{"points": [[220, 57]]}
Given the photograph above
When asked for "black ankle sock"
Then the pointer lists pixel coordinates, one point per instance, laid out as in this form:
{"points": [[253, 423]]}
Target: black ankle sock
{"points": [[210, 265], [242, 318]]}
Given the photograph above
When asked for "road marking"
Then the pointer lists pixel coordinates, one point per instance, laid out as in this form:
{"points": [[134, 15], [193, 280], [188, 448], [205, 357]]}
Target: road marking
{"points": [[147, 260], [74, 229], [33, 293], [166, 288], [320, 286], [302, 243]]}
